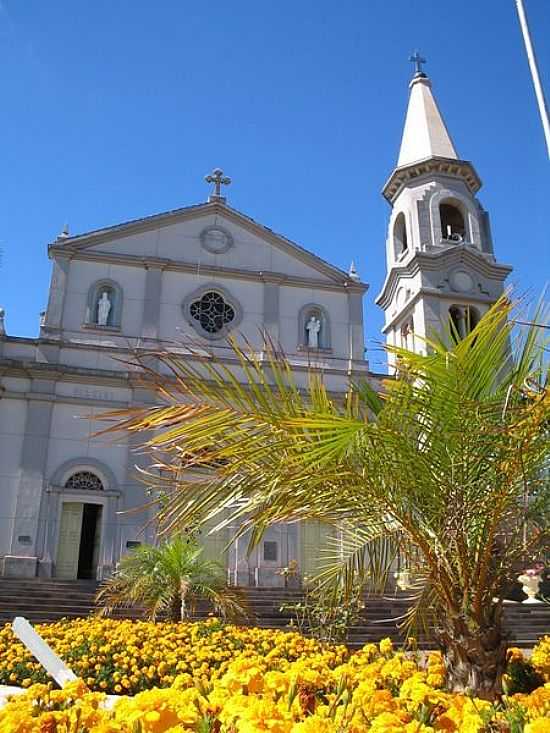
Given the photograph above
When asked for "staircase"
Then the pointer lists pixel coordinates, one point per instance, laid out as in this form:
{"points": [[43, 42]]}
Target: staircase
{"points": [[525, 623], [45, 600], [41, 600]]}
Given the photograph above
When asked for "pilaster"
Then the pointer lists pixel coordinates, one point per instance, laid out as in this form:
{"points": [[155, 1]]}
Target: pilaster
{"points": [[271, 307], [56, 300], [27, 533], [355, 316], [151, 305]]}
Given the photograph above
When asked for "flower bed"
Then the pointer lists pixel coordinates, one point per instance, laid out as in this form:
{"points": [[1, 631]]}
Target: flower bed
{"points": [[131, 656], [237, 680]]}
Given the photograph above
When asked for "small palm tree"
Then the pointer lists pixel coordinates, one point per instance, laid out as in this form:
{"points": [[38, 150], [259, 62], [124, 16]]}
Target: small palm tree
{"points": [[443, 467], [168, 580]]}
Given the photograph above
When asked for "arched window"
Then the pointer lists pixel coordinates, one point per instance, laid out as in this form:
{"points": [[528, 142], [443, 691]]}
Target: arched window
{"points": [[452, 223], [400, 241], [84, 481], [104, 307], [407, 335], [463, 319], [313, 327]]}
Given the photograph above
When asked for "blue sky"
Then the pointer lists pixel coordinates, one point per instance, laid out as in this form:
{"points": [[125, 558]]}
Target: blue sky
{"points": [[116, 110]]}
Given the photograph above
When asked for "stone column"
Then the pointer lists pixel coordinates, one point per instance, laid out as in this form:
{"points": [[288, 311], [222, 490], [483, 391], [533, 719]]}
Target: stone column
{"points": [[151, 304], [27, 532]]}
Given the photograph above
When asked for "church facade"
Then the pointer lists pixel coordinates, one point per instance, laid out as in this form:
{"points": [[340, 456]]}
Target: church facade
{"points": [[69, 499]]}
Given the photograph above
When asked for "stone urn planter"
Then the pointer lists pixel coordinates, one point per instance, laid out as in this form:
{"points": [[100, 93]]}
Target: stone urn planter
{"points": [[403, 579], [530, 584]]}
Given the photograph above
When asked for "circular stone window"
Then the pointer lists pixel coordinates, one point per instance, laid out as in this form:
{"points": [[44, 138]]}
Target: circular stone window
{"points": [[216, 240], [212, 313]]}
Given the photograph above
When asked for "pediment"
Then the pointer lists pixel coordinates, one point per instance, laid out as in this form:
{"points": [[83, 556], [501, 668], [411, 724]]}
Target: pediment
{"points": [[209, 235]]}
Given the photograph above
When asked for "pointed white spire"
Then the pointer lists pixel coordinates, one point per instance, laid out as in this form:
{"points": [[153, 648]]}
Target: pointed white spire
{"points": [[425, 134], [352, 272]]}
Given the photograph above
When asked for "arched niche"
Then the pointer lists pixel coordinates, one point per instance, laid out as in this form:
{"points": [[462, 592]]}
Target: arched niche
{"points": [[320, 314], [104, 305]]}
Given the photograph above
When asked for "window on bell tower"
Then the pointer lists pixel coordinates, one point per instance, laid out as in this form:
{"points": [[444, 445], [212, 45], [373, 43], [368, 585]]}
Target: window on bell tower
{"points": [[452, 223], [401, 244], [463, 320]]}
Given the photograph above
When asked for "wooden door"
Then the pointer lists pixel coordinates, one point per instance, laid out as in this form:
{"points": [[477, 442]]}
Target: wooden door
{"points": [[68, 546]]}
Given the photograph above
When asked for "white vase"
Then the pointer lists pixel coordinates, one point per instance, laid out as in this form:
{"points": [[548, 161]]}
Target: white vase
{"points": [[403, 579], [530, 586]]}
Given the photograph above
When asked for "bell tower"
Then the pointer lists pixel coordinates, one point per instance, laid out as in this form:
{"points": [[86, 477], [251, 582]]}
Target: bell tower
{"points": [[439, 251]]}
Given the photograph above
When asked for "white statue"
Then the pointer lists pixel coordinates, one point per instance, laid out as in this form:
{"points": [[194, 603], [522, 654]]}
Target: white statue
{"points": [[313, 326], [103, 309]]}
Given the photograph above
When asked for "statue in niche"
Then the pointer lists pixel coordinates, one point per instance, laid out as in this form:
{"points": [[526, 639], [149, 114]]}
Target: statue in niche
{"points": [[313, 327], [103, 309]]}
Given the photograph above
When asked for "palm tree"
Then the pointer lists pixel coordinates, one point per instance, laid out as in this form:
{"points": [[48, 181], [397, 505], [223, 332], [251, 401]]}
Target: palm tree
{"points": [[168, 580], [439, 467]]}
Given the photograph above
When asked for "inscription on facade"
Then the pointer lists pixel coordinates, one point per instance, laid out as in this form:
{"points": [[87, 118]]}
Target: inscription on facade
{"points": [[89, 393]]}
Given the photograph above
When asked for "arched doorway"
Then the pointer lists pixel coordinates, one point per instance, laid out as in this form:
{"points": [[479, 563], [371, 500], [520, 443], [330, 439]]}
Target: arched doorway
{"points": [[79, 537]]}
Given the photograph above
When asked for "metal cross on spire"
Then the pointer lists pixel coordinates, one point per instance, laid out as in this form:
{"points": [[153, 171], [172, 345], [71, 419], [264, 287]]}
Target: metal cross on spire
{"points": [[218, 179], [417, 59]]}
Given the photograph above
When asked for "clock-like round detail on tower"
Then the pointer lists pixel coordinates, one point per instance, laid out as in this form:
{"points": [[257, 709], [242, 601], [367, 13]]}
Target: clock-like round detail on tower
{"points": [[216, 240], [462, 281]]}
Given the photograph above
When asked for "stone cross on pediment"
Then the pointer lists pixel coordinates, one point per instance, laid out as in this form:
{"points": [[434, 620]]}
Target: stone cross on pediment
{"points": [[218, 178]]}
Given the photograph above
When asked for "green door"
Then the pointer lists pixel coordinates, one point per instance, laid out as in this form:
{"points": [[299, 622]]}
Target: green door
{"points": [[68, 546]]}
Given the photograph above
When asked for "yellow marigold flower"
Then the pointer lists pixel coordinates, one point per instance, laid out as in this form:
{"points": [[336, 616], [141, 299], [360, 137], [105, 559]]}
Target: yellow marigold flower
{"points": [[539, 725], [514, 654], [314, 724], [386, 646]]}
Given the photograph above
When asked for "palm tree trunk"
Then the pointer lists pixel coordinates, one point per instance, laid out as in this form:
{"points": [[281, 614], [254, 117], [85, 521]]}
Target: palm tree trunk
{"points": [[184, 588], [175, 608], [475, 657]]}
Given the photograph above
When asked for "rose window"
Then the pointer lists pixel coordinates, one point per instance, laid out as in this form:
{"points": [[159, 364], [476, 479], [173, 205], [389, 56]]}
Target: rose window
{"points": [[84, 481], [212, 312]]}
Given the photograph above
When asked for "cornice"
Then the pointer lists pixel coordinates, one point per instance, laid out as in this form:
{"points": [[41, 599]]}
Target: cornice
{"points": [[400, 177], [433, 261], [212, 270], [129, 379]]}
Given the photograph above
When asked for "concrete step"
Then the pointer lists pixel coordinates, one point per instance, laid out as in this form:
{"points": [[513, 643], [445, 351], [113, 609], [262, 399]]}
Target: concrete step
{"points": [[42, 600]]}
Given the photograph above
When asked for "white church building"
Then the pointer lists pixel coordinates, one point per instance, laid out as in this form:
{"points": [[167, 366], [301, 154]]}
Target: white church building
{"points": [[208, 270]]}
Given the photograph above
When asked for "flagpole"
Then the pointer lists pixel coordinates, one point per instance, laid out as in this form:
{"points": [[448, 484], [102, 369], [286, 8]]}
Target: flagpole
{"points": [[539, 92]]}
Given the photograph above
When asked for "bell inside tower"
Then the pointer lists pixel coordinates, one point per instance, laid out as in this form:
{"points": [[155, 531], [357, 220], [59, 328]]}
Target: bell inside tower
{"points": [[452, 223]]}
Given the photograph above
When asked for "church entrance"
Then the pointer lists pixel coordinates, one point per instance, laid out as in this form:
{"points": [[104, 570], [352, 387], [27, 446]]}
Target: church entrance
{"points": [[79, 541]]}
